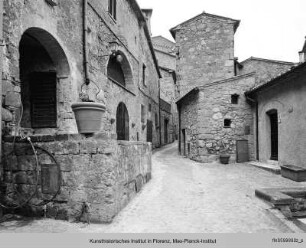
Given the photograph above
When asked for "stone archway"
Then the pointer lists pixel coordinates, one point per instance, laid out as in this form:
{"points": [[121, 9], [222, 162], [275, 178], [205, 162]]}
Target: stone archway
{"points": [[42, 64]]}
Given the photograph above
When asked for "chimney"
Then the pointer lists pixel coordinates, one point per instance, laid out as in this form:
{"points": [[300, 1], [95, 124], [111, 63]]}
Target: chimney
{"points": [[148, 14], [302, 54]]}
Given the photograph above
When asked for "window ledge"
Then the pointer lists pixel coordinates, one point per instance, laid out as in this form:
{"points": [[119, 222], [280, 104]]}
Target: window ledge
{"points": [[120, 85]]}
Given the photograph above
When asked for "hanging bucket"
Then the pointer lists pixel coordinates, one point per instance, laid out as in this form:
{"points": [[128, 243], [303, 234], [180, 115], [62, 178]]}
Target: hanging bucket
{"points": [[88, 116]]}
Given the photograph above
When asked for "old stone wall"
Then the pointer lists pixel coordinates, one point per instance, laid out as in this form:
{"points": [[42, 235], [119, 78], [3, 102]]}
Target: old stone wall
{"points": [[165, 53], [44, 23], [166, 60], [205, 51], [265, 69], [59, 33], [97, 170], [215, 106], [168, 94], [188, 109]]}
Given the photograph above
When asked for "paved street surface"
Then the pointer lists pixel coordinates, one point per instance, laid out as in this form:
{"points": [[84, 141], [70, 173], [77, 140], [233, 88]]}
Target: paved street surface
{"points": [[187, 197]]}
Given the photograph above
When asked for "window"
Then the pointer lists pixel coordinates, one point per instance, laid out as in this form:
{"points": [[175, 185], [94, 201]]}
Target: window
{"points": [[150, 107], [112, 8], [156, 120], [234, 98], [43, 99], [142, 114], [227, 123], [114, 71], [122, 122], [144, 74]]}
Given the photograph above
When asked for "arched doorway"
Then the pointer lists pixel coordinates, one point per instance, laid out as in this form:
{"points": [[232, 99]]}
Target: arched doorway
{"points": [[122, 122], [42, 62], [273, 117]]}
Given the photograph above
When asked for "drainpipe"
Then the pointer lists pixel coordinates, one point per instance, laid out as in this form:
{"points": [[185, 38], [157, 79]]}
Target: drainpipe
{"points": [[160, 132], [1, 67], [85, 52]]}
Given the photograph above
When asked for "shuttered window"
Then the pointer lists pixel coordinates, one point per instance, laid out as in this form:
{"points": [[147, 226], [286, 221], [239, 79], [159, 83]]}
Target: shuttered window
{"points": [[122, 122], [43, 99]]}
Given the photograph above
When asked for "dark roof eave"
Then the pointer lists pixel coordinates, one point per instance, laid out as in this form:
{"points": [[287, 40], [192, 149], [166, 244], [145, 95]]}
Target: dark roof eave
{"points": [[193, 91]]}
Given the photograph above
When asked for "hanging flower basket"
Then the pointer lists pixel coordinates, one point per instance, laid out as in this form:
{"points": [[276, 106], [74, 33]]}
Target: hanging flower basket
{"points": [[88, 116]]}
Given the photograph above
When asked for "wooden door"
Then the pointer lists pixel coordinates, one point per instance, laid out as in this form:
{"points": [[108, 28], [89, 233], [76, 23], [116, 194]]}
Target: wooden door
{"points": [[184, 142], [274, 135], [242, 151], [149, 130], [166, 131]]}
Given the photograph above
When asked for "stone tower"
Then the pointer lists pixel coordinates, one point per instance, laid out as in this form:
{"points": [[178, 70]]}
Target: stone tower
{"points": [[205, 50]]}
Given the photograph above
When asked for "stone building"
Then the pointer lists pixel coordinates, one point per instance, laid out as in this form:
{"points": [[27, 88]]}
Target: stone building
{"points": [[165, 53], [215, 116], [59, 52], [265, 69], [205, 50], [279, 105]]}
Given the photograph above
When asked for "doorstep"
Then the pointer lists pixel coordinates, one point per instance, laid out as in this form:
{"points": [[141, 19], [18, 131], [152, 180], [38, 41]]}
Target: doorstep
{"points": [[272, 167]]}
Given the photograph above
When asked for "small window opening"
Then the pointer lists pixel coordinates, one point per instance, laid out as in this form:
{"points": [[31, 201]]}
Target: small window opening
{"points": [[144, 74], [142, 113], [234, 98], [150, 107], [227, 123], [156, 120]]}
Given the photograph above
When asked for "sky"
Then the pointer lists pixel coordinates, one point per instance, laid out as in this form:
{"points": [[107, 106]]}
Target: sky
{"points": [[271, 29]]}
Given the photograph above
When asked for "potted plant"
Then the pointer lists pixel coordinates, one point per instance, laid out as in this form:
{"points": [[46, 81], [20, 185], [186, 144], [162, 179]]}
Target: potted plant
{"points": [[224, 156], [88, 114]]}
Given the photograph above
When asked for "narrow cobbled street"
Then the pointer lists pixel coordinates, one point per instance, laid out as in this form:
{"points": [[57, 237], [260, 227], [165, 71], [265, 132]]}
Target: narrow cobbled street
{"points": [[186, 197]]}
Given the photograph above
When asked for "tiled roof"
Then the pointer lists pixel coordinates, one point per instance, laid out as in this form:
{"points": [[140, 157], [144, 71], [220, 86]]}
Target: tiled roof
{"points": [[278, 79], [267, 60], [236, 22]]}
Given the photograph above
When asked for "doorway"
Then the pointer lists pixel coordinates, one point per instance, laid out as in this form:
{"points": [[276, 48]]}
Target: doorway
{"points": [[273, 133], [166, 131], [184, 141], [149, 131]]}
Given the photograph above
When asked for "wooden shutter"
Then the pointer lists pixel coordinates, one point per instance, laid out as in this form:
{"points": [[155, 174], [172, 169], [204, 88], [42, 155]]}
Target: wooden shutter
{"points": [[126, 124], [122, 122], [43, 99], [149, 131]]}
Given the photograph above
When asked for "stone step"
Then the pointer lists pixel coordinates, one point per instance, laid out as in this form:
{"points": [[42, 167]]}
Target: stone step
{"points": [[272, 167]]}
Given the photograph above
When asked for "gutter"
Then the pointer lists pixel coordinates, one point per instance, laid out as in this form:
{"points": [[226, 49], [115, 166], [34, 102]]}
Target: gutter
{"points": [[159, 110], [85, 52]]}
